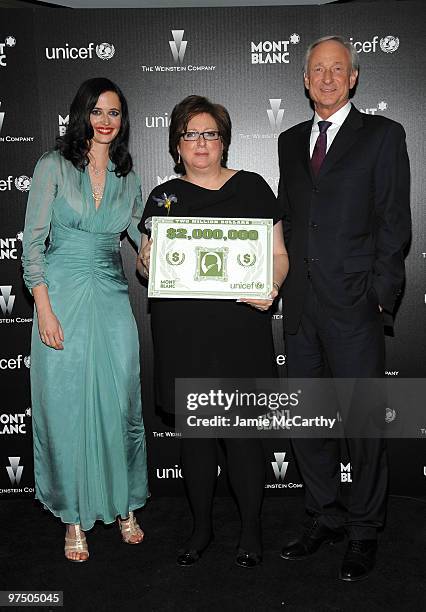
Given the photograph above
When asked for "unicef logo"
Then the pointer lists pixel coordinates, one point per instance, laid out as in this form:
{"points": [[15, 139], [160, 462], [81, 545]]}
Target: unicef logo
{"points": [[10, 41], [23, 183], [105, 51], [389, 44], [390, 415], [27, 361]]}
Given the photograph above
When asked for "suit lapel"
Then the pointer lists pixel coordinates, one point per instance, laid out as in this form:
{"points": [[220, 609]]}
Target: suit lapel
{"points": [[345, 138]]}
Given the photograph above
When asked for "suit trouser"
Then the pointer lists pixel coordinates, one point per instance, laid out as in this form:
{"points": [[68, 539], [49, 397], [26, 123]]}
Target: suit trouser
{"points": [[319, 344]]}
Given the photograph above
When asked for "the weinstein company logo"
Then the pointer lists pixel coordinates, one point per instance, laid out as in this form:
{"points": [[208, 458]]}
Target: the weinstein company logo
{"points": [[279, 466], [9, 138], [275, 114], [178, 46], [15, 470], [1, 119], [6, 299]]}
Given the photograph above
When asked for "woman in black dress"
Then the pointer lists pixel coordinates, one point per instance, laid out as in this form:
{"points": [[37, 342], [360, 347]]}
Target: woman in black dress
{"points": [[199, 138]]}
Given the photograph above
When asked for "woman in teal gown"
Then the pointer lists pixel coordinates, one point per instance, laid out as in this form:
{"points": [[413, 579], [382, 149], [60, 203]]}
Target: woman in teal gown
{"points": [[89, 439]]}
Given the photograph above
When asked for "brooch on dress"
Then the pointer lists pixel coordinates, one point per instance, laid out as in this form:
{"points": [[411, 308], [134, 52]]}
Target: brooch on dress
{"points": [[166, 201]]}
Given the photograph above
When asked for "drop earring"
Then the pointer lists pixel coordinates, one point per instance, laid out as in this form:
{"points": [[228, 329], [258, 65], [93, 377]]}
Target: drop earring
{"points": [[178, 159]]}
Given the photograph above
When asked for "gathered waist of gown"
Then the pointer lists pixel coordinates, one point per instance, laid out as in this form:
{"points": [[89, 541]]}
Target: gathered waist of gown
{"points": [[79, 251], [71, 241]]}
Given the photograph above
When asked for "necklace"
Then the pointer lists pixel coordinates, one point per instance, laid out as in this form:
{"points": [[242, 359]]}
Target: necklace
{"points": [[97, 183]]}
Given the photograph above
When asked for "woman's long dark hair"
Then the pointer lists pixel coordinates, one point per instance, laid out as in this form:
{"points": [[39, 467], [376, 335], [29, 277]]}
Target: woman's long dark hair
{"points": [[75, 144]]}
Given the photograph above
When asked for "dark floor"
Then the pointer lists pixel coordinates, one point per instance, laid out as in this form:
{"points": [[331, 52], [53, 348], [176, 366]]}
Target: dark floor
{"points": [[146, 578]]}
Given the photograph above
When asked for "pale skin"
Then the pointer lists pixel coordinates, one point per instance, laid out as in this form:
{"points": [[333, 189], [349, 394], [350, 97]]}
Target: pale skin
{"points": [[105, 119], [329, 79], [202, 159]]}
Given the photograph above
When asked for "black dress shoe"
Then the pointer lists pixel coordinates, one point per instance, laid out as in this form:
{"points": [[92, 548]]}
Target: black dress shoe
{"points": [[188, 557], [312, 538], [359, 560], [247, 559]]}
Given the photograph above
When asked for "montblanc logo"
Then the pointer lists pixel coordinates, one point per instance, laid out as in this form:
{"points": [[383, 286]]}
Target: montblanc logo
{"points": [[168, 177], [15, 470], [178, 46], [279, 466], [104, 51], [381, 106], [387, 44], [7, 300], [273, 51], [9, 41], [275, 113], [14, 424], [8, 248], [22, 183], [63, 124], [345, 472], [8, 137]]}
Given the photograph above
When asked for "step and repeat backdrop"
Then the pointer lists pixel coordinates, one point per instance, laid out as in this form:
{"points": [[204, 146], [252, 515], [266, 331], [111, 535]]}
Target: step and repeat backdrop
{"points": [[249, 59]]}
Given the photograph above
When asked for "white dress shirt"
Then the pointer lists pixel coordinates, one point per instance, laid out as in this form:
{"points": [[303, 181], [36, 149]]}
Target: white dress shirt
{"points": [[336, 119]]}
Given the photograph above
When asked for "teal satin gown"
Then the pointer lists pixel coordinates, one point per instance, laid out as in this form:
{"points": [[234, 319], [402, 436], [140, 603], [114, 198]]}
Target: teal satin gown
{"points": [[89, 439]]}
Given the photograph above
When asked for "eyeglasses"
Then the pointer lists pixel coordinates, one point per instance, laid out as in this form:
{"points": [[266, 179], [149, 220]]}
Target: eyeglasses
{"points": [[210, 135]]}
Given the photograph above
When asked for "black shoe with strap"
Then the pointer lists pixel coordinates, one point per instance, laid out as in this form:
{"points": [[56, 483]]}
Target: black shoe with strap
{"points": [[314, 535], [359, 560]]}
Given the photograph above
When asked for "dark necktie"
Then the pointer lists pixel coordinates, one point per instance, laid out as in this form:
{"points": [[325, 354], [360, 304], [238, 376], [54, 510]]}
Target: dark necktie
{"points": [[320, 147]]}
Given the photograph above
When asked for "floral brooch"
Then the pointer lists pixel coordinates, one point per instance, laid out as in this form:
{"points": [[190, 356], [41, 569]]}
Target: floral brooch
{"points": [[166, 201]]}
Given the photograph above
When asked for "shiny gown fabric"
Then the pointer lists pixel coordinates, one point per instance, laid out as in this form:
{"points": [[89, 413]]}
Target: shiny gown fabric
{"points": [[89, 440]]}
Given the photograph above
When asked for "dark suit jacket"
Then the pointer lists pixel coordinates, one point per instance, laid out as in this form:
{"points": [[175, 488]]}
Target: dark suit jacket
{"points": [[349, 225]]}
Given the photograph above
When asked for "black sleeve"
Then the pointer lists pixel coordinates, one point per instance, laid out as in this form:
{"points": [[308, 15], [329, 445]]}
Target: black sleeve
{"points": [[263, 198], [151, 209], [393, 217], [282, 199]]}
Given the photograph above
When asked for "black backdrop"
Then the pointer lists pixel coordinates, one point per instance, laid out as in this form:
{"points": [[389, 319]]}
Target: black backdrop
{"points": [[250, 60]]}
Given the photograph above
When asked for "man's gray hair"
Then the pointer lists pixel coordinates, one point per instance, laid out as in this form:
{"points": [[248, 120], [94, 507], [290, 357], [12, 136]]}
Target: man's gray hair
{"points": [[349, 46]]}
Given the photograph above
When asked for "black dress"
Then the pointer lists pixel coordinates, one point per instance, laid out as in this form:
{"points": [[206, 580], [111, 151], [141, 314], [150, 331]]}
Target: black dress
{"points": [[211, 338]]}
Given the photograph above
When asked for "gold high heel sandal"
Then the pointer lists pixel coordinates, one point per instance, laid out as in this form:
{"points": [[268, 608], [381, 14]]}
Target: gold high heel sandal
{"points": [[129, 528], [76, 544]]}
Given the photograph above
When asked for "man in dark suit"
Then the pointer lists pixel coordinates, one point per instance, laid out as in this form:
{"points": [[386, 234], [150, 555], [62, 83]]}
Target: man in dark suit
{"points": [[344, 189]]}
